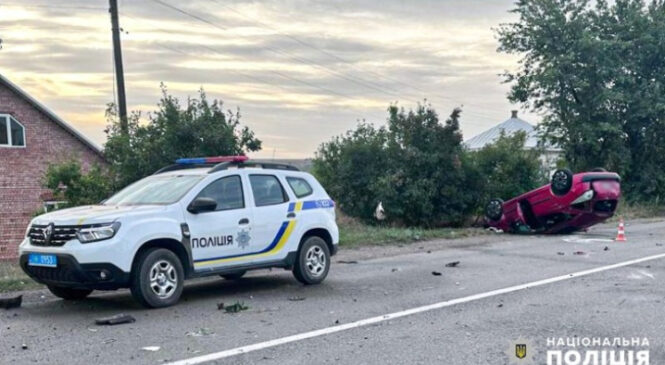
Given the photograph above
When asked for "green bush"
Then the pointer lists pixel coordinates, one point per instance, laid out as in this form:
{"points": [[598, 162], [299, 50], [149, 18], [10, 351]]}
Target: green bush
{"points": [[507, 168], [416, 167], [69, 183]]}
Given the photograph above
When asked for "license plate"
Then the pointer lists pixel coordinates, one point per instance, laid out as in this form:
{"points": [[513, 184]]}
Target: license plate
{"points": [[38, 259]]}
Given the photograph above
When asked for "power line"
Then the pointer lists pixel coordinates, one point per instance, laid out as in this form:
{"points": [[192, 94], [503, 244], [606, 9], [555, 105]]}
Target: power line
{"points": [[334, 56], [308, 61], [53, 7]]}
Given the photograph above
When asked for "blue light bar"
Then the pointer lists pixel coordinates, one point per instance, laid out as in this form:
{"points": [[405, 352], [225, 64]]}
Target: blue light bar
{"points": [[191, 161]]}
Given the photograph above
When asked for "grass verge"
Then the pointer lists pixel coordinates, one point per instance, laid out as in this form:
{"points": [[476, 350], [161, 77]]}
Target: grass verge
{"points": [[12, 278], [355, 234]]}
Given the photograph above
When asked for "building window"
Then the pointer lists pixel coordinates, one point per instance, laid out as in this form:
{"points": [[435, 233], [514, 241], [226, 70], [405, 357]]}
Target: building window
{"points": [[12, 133]]}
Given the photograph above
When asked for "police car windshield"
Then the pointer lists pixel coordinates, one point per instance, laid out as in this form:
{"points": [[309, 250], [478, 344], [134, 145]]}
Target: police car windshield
{"points": [[158, 189]]}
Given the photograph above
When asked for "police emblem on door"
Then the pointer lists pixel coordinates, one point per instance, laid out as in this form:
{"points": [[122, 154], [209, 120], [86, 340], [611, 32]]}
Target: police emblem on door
{"points": [[520, 350], [243, 239]]}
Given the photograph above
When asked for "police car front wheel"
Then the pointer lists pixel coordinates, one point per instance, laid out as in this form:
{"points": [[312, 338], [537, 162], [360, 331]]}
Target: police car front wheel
{"points": [[313, 261], [158, 278]]}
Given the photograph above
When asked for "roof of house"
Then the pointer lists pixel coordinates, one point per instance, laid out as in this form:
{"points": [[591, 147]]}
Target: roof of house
{"points": [[49, 113], [510, 126]]}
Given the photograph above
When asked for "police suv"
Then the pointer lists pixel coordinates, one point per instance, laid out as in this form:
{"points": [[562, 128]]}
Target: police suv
{"points": [[199, 217]]}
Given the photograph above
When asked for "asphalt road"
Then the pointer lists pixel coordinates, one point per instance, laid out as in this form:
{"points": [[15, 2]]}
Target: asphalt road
{"points": [[624, 301]]}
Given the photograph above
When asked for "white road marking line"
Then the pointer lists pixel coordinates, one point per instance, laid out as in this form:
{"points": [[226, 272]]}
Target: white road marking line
{"points": [[408, 312]]}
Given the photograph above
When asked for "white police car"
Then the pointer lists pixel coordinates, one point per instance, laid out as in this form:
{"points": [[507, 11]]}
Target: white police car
{"points": [[199, 217]]}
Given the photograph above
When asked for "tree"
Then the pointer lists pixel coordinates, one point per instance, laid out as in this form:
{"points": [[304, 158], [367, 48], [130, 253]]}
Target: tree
{"points": [[69, 183], [416, 167], [350, 166], [596, 71], [507, 168], [200, 128]]}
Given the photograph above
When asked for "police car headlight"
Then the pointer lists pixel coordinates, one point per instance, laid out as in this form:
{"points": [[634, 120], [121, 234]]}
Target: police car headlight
{"points": [[98, 232], [588, 195]]}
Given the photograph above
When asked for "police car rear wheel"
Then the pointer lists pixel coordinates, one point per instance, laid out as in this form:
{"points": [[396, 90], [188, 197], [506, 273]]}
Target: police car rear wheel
{"points": [[158, 278], [69, 293], [234, 276], [313, 261]]}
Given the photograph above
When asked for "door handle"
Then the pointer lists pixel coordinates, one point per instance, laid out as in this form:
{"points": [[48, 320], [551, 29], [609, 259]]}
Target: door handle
{"points": [[244, 221], [291, 215]]}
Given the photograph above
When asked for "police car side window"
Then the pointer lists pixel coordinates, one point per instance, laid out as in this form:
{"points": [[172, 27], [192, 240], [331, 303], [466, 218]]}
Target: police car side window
{"points": [[267, 190], [300, 187], [227, 192]]}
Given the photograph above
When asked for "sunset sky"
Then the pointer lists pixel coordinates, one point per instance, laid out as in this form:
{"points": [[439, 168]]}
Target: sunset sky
{"points": [[300, 71]]}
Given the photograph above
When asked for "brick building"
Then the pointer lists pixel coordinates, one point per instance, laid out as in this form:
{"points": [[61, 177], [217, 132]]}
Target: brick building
{"points": [[31, 138]]}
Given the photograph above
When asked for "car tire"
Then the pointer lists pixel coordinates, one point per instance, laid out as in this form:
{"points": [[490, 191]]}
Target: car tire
{"points": [[598, 169], [69, 293], [562, 181], [494, 209], [234, 276], [313, 261], [157, 278]]}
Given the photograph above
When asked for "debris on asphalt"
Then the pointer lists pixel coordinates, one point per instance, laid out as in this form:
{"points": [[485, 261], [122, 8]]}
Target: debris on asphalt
{"points": [[500, 305], [24, 347], [495, 230], [436, 273], [200, 333], [235, 308], [579, 253], [9, 303], [606, 248], [452, 264], [108, 341], [659, 244], [394, 269], [296, 299], [429, 251], [114, 320], [151, 348], [92, 329], [220, 306], [347, 262], [560, 253], [337, 321]]}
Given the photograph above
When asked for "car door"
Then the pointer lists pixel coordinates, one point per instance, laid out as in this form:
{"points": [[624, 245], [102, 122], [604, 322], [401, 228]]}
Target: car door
{"points": [[221, 237], [273, 225]]}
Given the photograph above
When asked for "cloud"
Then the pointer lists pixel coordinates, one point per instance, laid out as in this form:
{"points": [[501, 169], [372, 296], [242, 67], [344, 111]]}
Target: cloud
{"points": [[301, 71]]}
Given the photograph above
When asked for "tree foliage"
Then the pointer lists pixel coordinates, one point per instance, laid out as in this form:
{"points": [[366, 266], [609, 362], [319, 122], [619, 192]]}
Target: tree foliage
{"points": [[69, 183], [596, 71], [415, 167], [507, 168], [200, 128]]}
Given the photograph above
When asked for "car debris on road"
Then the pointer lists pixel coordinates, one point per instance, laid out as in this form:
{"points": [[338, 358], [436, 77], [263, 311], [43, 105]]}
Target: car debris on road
{"points": [[452, 264], [115, 320], [9, 303]]}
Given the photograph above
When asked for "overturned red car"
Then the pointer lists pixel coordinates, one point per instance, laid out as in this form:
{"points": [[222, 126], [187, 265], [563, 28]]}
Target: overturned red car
{"points": [[567, 204]]}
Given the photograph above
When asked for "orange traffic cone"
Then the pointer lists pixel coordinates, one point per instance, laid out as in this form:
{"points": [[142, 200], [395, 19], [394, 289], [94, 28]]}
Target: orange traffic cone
{"points": [[621, 234]]}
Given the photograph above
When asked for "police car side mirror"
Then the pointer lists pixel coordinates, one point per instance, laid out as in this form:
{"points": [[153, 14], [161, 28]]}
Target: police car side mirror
{"points": [[202, 205]]}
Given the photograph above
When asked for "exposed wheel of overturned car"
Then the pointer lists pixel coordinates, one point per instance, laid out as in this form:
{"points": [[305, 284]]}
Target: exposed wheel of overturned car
{"points": [[562, 181], [494, 209]]}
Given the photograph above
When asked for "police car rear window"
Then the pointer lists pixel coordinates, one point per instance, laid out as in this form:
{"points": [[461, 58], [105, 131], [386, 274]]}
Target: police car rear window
{"points": [[300, 187]]}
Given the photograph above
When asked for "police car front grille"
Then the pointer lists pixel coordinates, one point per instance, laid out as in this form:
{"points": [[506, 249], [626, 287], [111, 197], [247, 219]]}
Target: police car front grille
{"points": [[60, 235]]}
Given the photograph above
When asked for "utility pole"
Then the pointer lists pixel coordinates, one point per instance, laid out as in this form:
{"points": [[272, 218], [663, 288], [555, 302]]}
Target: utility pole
{"points": [[119, 71]]}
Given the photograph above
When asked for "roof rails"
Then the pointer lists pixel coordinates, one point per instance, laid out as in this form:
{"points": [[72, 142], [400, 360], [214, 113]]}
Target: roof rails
{"points": [[265, 165], [238, 162]]}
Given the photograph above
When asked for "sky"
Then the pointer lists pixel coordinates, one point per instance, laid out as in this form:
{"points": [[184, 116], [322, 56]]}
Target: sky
{"points": [[300, 71]]}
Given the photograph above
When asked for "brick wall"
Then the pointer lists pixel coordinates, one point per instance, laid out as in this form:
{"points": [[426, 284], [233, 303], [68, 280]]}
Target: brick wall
{"points": [[21, 169]]}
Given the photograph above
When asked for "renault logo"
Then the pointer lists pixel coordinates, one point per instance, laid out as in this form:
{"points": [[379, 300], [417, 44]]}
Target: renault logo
{"points": [[48, 233]]}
